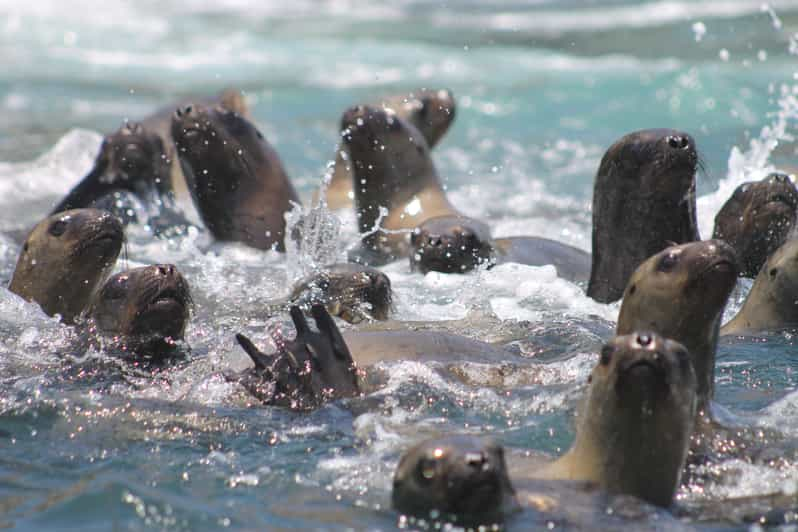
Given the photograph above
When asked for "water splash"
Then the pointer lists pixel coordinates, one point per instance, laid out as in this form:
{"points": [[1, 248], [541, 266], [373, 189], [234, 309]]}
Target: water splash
{"points": [[314, 240]]}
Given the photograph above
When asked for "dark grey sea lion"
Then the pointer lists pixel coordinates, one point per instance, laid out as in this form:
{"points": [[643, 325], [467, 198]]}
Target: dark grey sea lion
{"points": [[235, 177], [680, 293], [144, 311], [65, 258], [458, 244], [352, 292], [772, 303], [131, 159], [140, 158], [632, 438], [757, 219], [394, 172], [430, 111], [643, 201]]}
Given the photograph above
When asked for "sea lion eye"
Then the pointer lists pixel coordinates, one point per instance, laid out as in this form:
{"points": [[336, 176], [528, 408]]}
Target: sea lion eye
{"points": [[58, 228], [742, 189], [667, 262], [773, 272], [606, 355], [427, 470], [259, 134]]}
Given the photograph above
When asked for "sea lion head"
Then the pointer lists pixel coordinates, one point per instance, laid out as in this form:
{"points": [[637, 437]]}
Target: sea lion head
{"points": [[450, 244], [431, 111], [643, 198], [459, 479], [344, 289], [132, 158], [236, 179], [306, 372], [771, 303], [65, 258], [680, 293], [390, 160], [757, 219], [639, 415], [147, 306]]}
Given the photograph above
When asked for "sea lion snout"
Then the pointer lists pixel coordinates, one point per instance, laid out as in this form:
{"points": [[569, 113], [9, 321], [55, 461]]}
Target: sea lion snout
{"points": [[678, 142]]}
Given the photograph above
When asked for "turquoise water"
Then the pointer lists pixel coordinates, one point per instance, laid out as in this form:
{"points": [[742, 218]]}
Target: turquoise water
{"points": [[543, 87]]}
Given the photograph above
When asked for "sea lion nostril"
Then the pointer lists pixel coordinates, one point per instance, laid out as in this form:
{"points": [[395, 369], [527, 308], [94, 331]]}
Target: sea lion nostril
{"points": [[678, 142], [643, 339], [476, 459], [780, 178]]}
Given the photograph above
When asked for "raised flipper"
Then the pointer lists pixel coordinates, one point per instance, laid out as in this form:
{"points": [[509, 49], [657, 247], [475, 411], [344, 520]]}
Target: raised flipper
{"points": [[312, 369]]}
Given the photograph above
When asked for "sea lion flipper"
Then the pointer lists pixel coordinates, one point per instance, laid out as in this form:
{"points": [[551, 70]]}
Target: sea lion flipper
{"points": [[328, 328], [261, 360], [300, 323]]}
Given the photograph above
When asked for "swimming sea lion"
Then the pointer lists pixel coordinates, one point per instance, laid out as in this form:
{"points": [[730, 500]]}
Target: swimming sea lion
{"points": [[430, 111], [458, 244], [140, 157], [643, 200], [634, 430], [144, 310], [632, 438], [236, 179], [131, 159], [352, 292], [757, 219], [450, 244], [772, 303], [65, 258], [393, 170], [680, 293]]}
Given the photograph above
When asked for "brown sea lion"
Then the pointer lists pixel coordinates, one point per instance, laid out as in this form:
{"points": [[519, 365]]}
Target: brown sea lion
{"points": [[632, 438], [643, 201], [65, 258], [393, 171], [680, 293], [236, 178], [458, 244], [772, 303], [430, 111], [757, 219], [350, 291], [144, 310]]}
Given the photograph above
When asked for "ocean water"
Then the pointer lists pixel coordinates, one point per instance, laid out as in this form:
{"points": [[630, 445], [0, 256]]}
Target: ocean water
{"points": [[543, 88]]}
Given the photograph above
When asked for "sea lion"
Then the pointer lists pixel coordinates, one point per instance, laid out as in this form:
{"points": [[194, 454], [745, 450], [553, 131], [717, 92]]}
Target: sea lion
{"points": [[144, 310], [757, 219], [772, 303], [632, 438], [634, 431], [352, 292], [132, 159], [140, 158], [430, 111], [334, 356], [643, 201], [680, 293], [65, 258], [393, 170], [235, 177], [458, 244]]}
